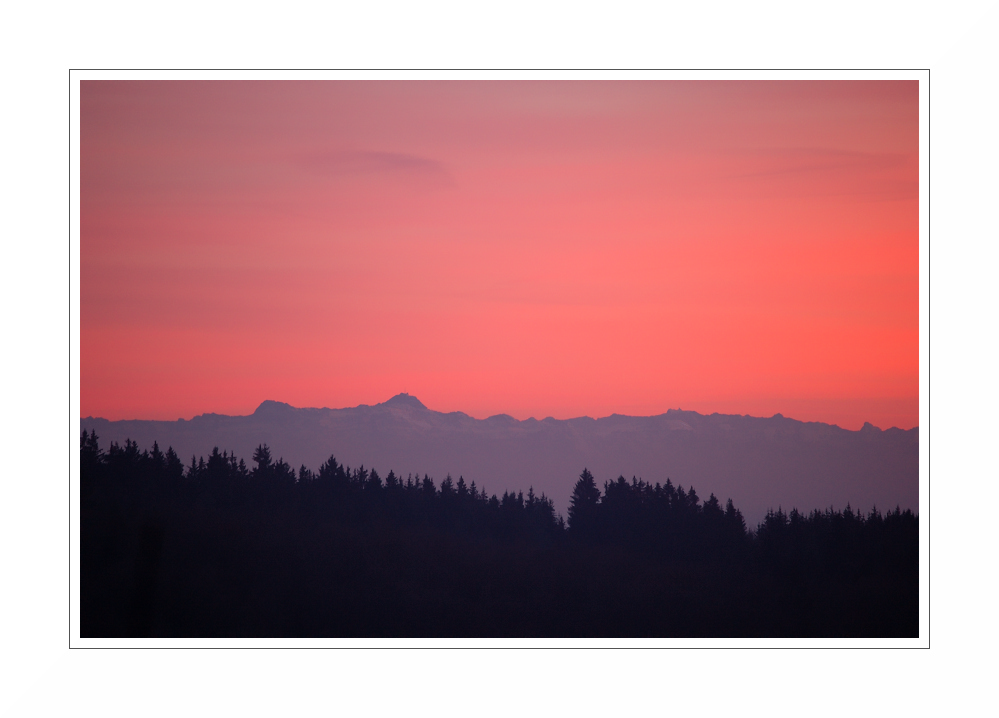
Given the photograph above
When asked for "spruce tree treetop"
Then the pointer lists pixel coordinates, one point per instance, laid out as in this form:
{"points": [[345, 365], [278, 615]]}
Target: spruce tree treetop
{"points": [[583, 504]]}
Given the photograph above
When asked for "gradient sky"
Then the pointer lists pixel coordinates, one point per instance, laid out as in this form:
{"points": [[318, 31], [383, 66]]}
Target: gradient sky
{"points": [[530, 248]]}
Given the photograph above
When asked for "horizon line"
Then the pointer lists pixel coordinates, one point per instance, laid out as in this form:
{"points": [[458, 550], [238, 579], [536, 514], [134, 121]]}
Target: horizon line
{"points": [[405, 397]]}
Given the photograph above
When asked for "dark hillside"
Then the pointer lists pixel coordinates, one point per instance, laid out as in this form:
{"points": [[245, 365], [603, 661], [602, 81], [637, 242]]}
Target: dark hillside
{"points": [[221, 549]]}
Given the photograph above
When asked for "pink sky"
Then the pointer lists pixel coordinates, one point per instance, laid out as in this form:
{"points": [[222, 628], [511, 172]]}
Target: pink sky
{"points": [[529, 248]]}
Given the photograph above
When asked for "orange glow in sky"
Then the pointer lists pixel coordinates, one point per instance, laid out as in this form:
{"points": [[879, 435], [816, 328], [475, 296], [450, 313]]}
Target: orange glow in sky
{"points": [[530, 248]]}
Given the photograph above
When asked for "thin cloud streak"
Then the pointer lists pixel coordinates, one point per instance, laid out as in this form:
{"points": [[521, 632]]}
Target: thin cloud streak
{"points": [[352, 163]]}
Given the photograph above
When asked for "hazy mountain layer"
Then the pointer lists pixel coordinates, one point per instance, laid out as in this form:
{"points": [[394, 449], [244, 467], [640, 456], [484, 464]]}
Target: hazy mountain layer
{"points": [[759, 463]]}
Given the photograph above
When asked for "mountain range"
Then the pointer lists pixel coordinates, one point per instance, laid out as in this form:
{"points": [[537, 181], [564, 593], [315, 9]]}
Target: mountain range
{"points": [[760, 463]]}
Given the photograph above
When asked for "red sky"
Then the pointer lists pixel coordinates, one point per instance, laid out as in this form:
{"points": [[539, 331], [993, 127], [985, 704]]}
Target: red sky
{"points": [[530, 248]]}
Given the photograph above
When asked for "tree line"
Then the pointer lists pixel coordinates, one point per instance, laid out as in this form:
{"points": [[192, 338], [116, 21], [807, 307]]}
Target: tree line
{"points": [[218, 548]]}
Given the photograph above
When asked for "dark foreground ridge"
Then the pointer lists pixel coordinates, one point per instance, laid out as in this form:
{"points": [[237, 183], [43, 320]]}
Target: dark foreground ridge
{"points": [[222, 550]]}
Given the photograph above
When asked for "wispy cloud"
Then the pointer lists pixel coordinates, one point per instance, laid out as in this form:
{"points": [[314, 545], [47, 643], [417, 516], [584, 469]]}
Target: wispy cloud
{"points": [[351, 163]]}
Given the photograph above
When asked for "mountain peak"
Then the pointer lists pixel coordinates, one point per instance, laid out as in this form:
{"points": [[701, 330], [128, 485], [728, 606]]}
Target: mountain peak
{"points": [[404, 400], [268, 406]]}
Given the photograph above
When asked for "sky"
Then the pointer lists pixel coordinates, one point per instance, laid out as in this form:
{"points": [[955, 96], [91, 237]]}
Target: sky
{"points": [[533, 248]]}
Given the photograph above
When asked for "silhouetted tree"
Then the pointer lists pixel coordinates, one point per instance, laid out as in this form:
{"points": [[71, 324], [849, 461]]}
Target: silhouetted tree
{"points": [[583, 504], [262, 458], [222, 551]]}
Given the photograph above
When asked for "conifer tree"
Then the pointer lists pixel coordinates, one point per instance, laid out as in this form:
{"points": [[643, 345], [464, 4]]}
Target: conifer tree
{"points": [[583, 504]]}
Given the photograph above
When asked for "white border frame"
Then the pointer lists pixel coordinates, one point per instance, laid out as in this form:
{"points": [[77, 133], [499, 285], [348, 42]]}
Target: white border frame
{"points": [[922, 76]]}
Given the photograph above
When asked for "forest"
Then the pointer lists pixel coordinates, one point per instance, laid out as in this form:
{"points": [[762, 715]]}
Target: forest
{"points": [[215, 548]]}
